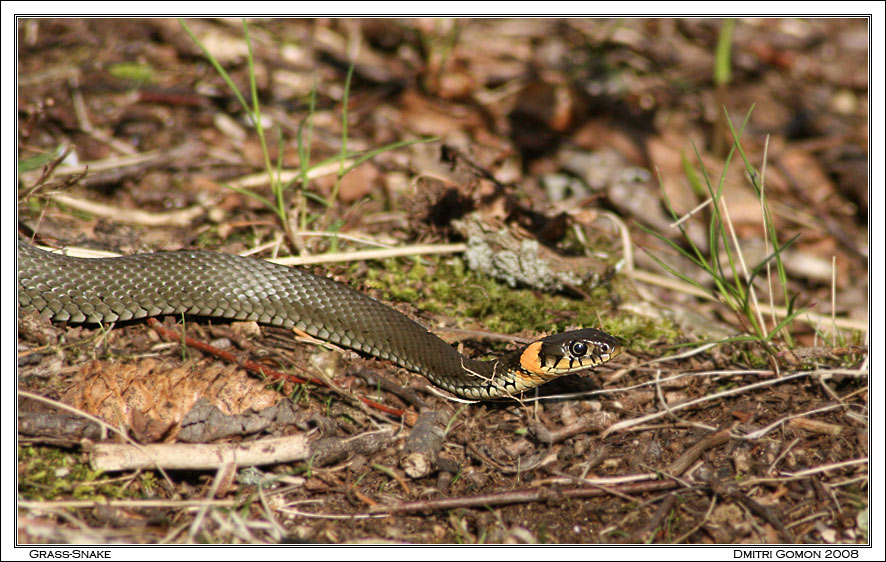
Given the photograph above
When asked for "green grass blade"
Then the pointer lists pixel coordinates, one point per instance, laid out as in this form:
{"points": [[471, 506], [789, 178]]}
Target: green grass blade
{"points": [[251, 194], [217, 65], [723, 54], [369, 154], [784, 322]]}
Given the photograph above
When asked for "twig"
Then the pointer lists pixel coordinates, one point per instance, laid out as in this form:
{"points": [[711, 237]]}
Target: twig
{"points": [[667, 407], [744, 268], [269, 513], [260, 179], [679, 466], [183, 217], [656, 520], [584, 424], [691, 212], [129, 504], [337, 257], [618, 374], [358, 255], [761, 432], [782, 455], [336, 516], [518, 496], [197, 456], [135, 161], [812, 318], [826, 467], [86, 124], [307, 233], [621, 426], [224, 474], [259, 369], [136, 446], [474, 452], [707, 516], [607, 481], [393, 474]]}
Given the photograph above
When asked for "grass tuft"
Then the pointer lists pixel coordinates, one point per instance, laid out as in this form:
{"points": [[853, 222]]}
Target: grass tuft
{"points": [[294, 194], [724, 264]]}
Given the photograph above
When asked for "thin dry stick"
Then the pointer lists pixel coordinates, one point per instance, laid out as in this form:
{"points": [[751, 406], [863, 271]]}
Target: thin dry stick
{"points": [[647, 531], [86, 124], [627, 245], [269, 513], [704, 519], [744, 267], [309, 233], [338, 257], [847, 482], [98, 165], [761, 432], [221, 474], [830, 391], [517, 496], [643, 419], [807, 519], [173, 533], [105, 426], [689, 456], [667, 407], [260, 179], [810, 317], [618, 375], [360, 255], [692, 212], [183, 217], [274, 245], [766, 232], [652, 382], [826, 467], [70, 518], [782, 455], [337, 516], [231, 525], [606, 481], [128, 504], [834, 300]]}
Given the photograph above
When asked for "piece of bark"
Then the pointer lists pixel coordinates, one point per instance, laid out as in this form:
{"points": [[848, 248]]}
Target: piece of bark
{"points": [[58, 426], [419, 456]]}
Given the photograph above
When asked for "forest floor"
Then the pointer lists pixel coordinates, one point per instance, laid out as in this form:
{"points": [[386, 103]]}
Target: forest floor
{"points": [[515, 178]]}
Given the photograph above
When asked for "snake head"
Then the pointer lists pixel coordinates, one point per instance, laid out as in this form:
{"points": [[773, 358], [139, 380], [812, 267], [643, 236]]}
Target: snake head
{"points": [[569, 352]]}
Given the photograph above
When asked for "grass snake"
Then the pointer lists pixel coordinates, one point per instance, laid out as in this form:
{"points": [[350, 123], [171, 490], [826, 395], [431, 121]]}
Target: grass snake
{"points": [[212, 284]]}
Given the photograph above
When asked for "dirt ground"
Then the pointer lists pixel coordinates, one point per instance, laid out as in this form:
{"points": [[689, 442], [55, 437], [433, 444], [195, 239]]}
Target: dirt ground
{"points": [[560, 144]]}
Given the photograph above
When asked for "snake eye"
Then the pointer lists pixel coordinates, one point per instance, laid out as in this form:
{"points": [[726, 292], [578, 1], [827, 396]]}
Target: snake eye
{"points": [[578, 348]]}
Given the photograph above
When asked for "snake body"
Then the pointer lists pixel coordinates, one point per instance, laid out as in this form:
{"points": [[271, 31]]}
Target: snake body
{"points": [[212, 284]]}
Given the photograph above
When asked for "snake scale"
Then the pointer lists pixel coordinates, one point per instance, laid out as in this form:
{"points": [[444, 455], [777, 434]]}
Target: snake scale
{"points": [[221, 285]]}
